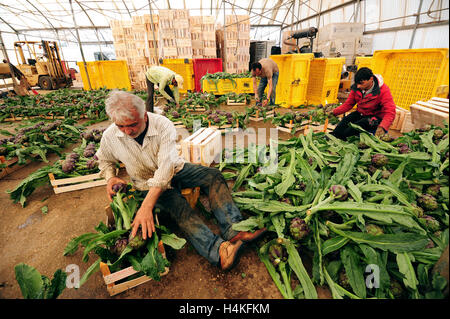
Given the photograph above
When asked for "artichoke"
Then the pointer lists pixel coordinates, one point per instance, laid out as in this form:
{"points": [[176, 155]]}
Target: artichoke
{"points": [[418, 211], [433, 190], [344, 281], [339, 192], [277, 254], [175, 114], [298, 228], [68, 166], [404, 149], [415, 142], [372, 169], [91, 164], [387, 138], [119, 187], [374, 230], [137, 241], [430, 223], [380, 160], [396, 289], [427, 202], [119, 246], [385, 174], [438, 134], [362, 146]]}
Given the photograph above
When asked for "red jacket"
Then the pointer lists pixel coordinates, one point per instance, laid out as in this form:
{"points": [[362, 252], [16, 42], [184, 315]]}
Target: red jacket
{"points": [[377, 103]]}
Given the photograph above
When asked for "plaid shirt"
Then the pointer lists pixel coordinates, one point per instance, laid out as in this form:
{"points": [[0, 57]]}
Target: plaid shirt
{"points": [[151, 165]]}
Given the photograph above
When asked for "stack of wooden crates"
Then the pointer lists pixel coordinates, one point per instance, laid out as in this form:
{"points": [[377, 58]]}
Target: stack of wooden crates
{"points": [[176, 40], [203, 37], [135, 41], [235, 42]]}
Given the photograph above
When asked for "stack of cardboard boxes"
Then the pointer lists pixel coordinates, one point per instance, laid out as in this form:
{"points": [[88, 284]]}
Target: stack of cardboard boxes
{"points": [[345, 40]]}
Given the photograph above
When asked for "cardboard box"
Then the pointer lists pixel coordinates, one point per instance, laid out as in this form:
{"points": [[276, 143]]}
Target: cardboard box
{"points": [[335, 31], [203, 147], [364, 45]]}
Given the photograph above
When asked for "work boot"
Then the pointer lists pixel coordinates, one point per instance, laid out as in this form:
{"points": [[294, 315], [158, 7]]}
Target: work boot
{"points": [[247, 236], [228, 253]]}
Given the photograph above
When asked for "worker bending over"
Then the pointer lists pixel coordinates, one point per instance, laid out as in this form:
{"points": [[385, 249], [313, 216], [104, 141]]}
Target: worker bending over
{"points": [[163, 77], [375, 110], [268, 71]]}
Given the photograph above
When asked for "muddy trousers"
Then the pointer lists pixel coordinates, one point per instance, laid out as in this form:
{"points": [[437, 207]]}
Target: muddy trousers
{"points": [[149, 103], [212, 184], [344, 130]]}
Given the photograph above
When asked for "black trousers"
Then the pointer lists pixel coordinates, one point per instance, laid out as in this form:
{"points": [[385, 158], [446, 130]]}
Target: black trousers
{"points": [[149, 103], [343, 130]]}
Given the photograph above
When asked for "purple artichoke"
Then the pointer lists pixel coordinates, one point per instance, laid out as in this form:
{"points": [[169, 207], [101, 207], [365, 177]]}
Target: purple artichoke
{"points": [[277, 254], [387, 138], [339, 192], [430, 223], [427, 202], [433, 190], [119, 187], [91, 164], [380, 160], [175, 114], [298, 228], [68, 166], [344, 281], [362, 146], [119, 246]]}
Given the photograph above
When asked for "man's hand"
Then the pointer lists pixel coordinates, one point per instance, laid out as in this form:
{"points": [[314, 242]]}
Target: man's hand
{"points": [[178, 105], [380, 131], [111, 182], [143, 218], [265, 102]]}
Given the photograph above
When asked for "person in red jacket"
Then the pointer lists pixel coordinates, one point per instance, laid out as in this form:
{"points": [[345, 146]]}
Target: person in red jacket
{"points": [[376, 108]]}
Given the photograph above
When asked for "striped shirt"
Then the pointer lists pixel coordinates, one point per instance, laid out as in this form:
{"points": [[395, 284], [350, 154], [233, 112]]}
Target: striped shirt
{"points": [[151, 165]]}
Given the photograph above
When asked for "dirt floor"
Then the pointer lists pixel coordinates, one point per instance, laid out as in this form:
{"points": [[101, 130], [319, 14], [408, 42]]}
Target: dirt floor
{"points": [[29, 236]]}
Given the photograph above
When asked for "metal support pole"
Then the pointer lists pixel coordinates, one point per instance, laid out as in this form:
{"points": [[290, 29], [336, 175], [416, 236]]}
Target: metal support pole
{"points": [[415, 27], [79, 43], [153, 32], [224, 39], [5, 53]]}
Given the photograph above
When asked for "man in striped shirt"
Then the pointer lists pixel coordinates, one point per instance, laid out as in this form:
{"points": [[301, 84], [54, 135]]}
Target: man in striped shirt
{"points": [[146, 144]]}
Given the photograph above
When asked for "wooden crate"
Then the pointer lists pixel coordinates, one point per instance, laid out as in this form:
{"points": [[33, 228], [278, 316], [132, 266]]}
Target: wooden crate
{"points": [[434, 111], [258, 118], [233, 102], [12, 166], [202, 147], [196, 108], [75, 183]]}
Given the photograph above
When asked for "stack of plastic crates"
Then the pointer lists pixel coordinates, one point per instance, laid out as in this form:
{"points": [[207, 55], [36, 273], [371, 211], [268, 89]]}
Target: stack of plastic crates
{"points": [[412, 75], [324, 80], [293, 78]]}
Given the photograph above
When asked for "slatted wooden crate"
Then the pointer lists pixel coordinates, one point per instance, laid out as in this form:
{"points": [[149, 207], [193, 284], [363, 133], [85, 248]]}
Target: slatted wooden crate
{"points": [[257, 118], [434, 111]]}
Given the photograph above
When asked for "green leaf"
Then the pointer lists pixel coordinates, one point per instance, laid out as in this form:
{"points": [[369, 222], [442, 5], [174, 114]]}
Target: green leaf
{"points": [[173, 241], [90, 271], [354, 271], [58, 284], [29, 280], [295, 262], [73, 244], [44, 210], [279, 223], [262, 253], [396, 243], [406, 268], [288, 178], [334, 244]]}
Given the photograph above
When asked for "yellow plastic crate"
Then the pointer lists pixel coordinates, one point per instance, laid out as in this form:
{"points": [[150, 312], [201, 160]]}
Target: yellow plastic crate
{"points": [[185, 68], [109, 74], [293, 80], [224, 86], [412, 75], [244, 85], [364, 61], [324, 80]]}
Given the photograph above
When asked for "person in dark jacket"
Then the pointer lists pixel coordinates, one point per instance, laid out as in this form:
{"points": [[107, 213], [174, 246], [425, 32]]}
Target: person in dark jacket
{"points": [[375, 110]]}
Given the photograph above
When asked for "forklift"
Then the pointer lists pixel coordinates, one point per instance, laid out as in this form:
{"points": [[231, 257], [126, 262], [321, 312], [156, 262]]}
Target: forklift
{"points": [[44, 68]]}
